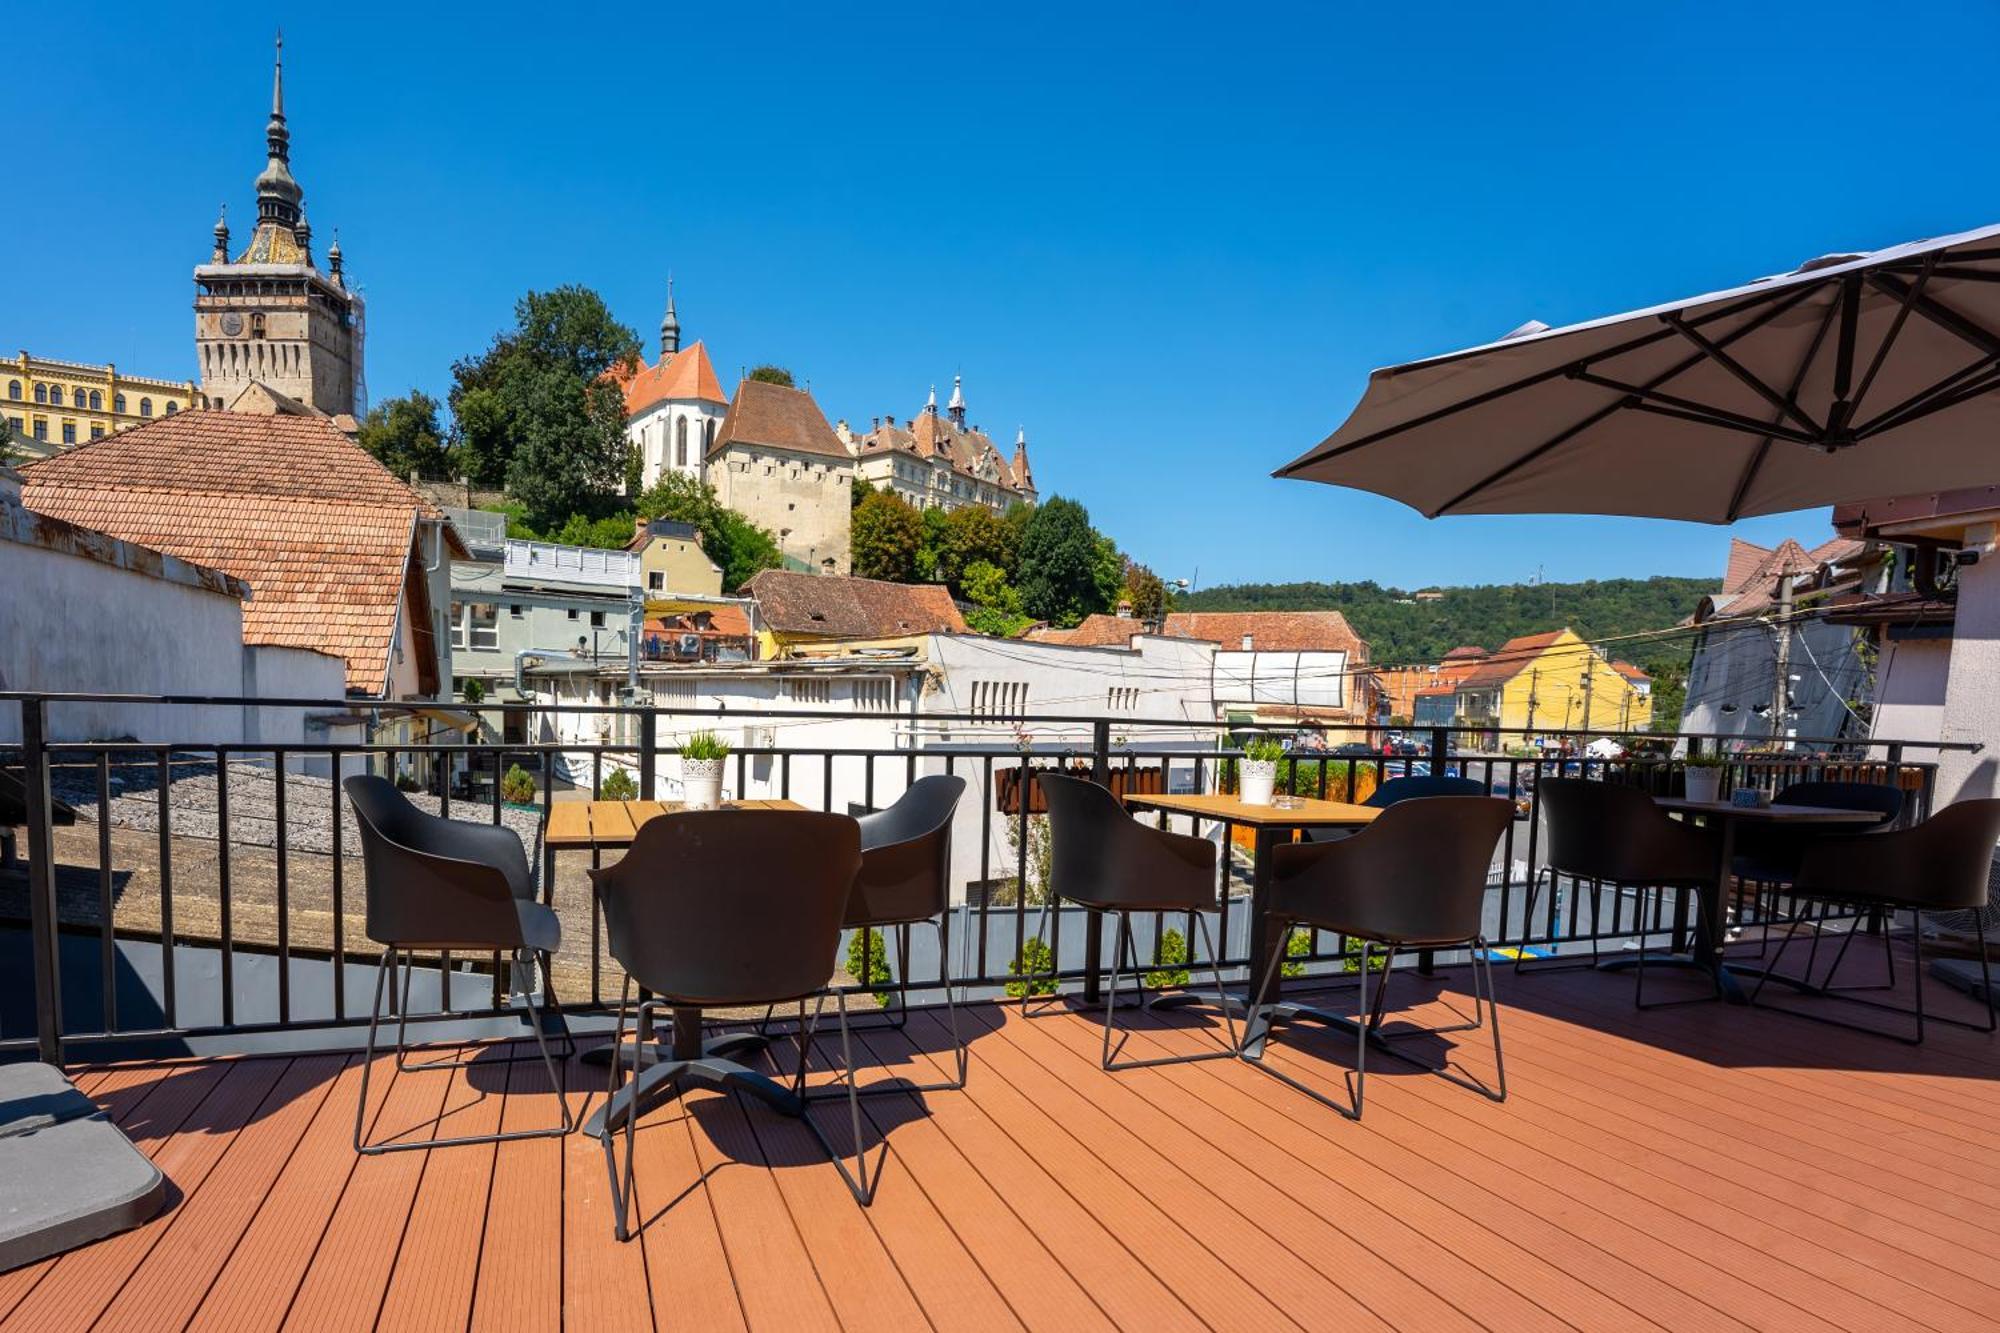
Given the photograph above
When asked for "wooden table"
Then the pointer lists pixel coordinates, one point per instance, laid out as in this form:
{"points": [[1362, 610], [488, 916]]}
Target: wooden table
{"points": [[598, 826], [1269, 825], [1727, 817]]}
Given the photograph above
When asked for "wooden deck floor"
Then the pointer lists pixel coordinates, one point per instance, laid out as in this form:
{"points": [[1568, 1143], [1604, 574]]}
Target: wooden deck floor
{"points": [[1701, 1168]]}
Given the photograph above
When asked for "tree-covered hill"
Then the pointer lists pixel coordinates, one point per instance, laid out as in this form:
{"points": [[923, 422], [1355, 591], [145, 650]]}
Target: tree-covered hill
{"points": [[1402, 630]]}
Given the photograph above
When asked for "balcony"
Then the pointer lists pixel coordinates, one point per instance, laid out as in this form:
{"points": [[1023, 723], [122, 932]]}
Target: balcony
{"points": [[1711, 1166]]}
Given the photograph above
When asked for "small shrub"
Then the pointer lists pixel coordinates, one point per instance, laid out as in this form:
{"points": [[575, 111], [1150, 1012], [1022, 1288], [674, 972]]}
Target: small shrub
{"points": [[474, 692], [404, 782], [1264, 750], [1036, 960], [1297, 945], [704, 745], [876, 972], [517, 786], [1173, 951], [619, 786]]}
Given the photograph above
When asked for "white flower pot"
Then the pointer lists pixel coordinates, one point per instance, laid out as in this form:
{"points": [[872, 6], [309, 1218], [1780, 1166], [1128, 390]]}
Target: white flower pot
{"points": [[1259, 776], [701, 783], [1704, 784]]}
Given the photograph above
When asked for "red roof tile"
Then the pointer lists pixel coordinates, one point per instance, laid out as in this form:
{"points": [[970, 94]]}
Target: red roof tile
{"points": [[776, 417], [686, 376], [851, 608]]}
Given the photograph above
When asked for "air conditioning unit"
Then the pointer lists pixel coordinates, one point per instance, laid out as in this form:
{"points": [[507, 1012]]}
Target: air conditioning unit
{"points": [[690, 645]]}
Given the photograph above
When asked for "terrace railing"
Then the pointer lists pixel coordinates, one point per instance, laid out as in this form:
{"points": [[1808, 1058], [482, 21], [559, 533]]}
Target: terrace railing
{"points": [[207, 893]]}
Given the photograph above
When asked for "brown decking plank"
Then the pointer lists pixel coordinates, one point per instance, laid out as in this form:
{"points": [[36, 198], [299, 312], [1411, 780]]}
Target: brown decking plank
{"points": [[861, 1282], [604, 1282], [1335, 1221], [521, 1255], [170, 1285], [270, 1260], [945, 1280], [1787, 1295], [676, 1218], [1198, 1226], [84, 1281], [357, 1252], [438, 1263], [1013, 1251]]}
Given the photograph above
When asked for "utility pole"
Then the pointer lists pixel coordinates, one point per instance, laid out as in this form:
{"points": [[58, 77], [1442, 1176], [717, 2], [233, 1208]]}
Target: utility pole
{"points": [[1534, 685], [1782, 687], [1589, 678]]}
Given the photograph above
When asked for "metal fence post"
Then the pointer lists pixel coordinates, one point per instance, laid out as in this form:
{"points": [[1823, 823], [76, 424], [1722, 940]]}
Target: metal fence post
{"points": [[1093, 922], [649, 752], [42, 879], [1440, 750]]}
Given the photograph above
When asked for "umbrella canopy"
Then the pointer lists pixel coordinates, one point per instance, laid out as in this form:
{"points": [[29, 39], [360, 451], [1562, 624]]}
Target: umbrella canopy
{"points": [[1854, 377]]}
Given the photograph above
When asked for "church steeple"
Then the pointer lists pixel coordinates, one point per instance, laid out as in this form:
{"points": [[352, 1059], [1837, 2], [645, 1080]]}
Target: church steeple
{"points": [[956, 407], [221, 255], [278, 195], [670, 324]]}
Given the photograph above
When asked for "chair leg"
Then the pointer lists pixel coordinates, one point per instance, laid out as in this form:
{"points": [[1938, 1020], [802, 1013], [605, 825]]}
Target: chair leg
{"points": [[368, 1050], [1521, 964], [1483, 958], [961, 1058], [857, 1180], [1122, 948]]}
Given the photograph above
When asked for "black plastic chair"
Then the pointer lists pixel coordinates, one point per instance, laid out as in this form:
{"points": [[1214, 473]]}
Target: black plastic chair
{"points": [[1103, 860], [1768, 856], [1413, 879], [727, 909], [1941, 865], [448, 886], [1410, 787], [1614, 835]]}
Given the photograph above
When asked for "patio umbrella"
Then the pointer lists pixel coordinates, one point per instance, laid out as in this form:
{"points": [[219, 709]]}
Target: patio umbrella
{"points": [[1853, 377]]}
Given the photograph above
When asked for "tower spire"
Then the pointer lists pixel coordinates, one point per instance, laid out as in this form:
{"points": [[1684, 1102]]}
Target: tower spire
{"points": [[278, 195], [957, 404], [670, 323]]}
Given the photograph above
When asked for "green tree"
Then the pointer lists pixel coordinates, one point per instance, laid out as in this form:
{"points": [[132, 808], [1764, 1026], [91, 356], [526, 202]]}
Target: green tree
{"points": [[970, 535], [861, 490], [1059, 563], [886, 535], [731, 540], [1107, 572], [1146, 591], [996, 602], [769, 374], [537, 411], [868, 963], [404, 436], [929, 545]]}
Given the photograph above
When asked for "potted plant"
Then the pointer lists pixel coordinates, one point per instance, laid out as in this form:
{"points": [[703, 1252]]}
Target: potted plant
{"points": [[702, 755], [1704, 775], [1258, 773]]}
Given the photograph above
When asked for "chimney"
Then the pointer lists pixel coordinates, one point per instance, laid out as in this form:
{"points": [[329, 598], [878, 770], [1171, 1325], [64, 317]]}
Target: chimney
{"points": [[1124, 608]]}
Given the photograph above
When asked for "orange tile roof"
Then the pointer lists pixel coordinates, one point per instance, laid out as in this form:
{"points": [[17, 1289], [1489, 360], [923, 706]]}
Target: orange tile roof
{"points": [[851, 608], [687, 375], [776, 417], [1512, 658], [321, 532], [1269, 631], [968, 451]]}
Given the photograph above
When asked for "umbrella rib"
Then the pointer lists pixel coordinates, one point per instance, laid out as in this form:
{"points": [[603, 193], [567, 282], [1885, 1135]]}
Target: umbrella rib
{"points": [[1539, 377], [1944, 402], [1763, 451], [1741, 372], [1692, 410], [1895, 329], [1942, 315], [1563, 437], [1896, 415]]}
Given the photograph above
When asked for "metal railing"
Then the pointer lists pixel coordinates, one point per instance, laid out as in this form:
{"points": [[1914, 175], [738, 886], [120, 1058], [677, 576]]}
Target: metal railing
{"points": [[205, 890]]}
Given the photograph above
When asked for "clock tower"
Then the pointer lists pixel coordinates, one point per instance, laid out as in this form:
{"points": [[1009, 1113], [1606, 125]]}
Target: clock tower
{"points": [[271, 315]]}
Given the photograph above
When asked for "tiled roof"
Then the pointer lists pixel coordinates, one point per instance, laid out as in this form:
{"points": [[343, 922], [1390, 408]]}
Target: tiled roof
{"points": [[320, 531], [968, 451], [1098, 631], [1750, 583], [686, 376], [1269, 631], [779, 418], [850, 608], [1630, 670], [1512, 658], [1463, 652]]}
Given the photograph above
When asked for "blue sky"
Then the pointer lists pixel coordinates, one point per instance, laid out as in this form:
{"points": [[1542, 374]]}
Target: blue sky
{"points": [[1170, 240]]}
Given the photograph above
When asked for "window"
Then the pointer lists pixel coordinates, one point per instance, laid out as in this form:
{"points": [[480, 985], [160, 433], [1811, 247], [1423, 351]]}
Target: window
{"points": [[656, 581], [96, 400], [69, 432], [41, 428], [78, 398], [806, 690], [458, 624], [172, 407], [597, 620], [992, 697], [14, 390], [681, 442], [1122, 697], [118, 403], [485, 625], [708, 435], [514, 611], [41, 393], [145, 407], [572, 613], [96, 430], [875, 694], [17, 424]]}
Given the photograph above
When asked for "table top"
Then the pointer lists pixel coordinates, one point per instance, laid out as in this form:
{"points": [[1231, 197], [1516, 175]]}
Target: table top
{"points": [[1308, 813], [615, 823], [1770, 814]]}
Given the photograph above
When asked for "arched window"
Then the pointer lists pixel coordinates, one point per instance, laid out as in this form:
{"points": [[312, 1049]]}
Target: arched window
{"points": [[172, 407], [78, 398], [145, 407], [41, 393], [14, 390], [118, 403], [681, 443], [96, 401], [707, 436]]}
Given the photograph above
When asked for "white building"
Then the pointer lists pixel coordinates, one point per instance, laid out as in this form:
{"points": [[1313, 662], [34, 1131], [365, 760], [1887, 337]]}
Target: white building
{"points": [[938, 461], [674, 407]]}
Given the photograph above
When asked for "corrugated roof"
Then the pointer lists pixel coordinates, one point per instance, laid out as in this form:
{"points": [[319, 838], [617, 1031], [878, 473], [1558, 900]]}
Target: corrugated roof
{"points": [[851, 608], [776, 417], [321, 532]]}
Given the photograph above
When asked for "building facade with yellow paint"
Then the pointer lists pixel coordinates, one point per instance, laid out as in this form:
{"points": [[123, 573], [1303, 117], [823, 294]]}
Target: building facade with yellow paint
{"points": [[63, 403], [1551, 683]]}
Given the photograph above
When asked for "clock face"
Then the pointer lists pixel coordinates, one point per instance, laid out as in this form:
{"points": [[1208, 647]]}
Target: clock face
{"points": [[232, 325]]}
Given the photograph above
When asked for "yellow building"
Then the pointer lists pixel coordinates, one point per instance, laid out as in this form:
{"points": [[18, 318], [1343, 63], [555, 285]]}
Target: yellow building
{"points": [[672, 560], [60, 403], [1554, 682]]}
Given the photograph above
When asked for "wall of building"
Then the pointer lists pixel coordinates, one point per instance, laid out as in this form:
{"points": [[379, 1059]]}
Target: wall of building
{"points": [[1734, 673], [527, 618], [293, 331], [1910, 679], [671, 565], [804, 499], [657, 433], [110, 401], [1971, 703]]}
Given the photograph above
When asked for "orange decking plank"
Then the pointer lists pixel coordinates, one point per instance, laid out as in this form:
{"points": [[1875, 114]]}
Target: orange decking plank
{"points": [[438, 1264], [201, 1234], [1339, 1222], [1213, 1256], [943, 1277], [521, 1257], [604, 1282], [84, 1281], [674, 1217], [1009, 1236], [1770, 1291], [357, 1253], [1097, 1253], [256, 1287]]}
